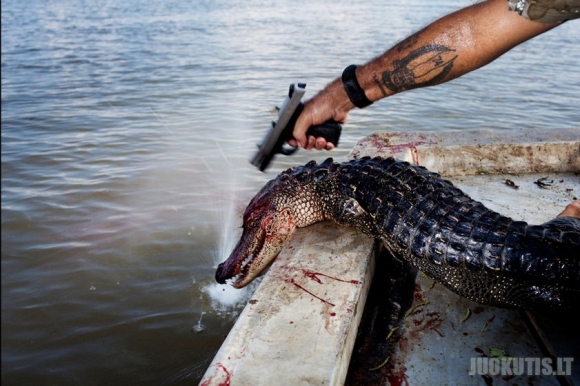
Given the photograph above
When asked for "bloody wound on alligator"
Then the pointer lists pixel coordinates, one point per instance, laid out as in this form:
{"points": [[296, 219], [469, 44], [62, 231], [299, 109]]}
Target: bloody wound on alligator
{"points": [[422, 218]]}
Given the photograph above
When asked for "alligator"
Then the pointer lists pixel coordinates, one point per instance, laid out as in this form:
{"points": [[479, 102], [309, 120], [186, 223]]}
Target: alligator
{"points": [[422, 218]]}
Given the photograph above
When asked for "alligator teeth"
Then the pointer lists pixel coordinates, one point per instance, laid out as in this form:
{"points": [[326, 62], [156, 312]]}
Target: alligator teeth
{"points": [[243, 270], [247, 260], [246, 265]]}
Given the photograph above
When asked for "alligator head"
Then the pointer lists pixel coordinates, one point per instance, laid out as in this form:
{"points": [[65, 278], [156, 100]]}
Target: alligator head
{"points": [[272, 216]]}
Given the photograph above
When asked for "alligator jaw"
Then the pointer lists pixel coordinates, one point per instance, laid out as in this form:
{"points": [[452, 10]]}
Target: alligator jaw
{"points": [[260, 243], [237, 266]]}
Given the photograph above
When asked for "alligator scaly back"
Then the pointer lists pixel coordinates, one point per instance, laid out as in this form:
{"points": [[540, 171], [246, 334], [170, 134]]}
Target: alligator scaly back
{"points": [[423, 218]]}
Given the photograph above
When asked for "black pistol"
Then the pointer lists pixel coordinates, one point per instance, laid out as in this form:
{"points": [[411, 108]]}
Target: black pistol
{"points": [[281, 130]]}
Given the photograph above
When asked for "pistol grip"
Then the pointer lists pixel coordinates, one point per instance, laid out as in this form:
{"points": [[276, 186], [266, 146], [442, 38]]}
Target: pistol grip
{"points": [[329, 130]]}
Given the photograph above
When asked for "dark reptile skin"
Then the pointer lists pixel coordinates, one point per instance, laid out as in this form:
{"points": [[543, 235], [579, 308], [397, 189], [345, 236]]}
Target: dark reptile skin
{"points": [[474, 251]]}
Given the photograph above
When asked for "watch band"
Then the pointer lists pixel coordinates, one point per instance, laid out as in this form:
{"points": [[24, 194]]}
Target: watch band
{"points": [[353, 89]]}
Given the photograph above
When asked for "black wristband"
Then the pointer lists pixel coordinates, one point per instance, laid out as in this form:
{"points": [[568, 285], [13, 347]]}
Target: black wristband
{"points": [[354, 91]]}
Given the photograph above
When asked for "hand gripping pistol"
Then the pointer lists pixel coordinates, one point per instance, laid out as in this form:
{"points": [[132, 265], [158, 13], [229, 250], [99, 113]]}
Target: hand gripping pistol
{"points": [[281, 130]]}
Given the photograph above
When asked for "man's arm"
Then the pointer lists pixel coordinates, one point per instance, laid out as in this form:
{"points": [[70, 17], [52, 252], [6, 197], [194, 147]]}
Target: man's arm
{"points": [[444, 50]]}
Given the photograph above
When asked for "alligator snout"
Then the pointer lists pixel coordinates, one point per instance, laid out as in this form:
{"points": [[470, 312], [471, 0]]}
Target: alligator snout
{"points": [[220, 275]]}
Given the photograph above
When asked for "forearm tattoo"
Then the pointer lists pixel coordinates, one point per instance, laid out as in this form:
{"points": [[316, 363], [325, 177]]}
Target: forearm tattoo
{"points": [[379, 84], [422, 67]]}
